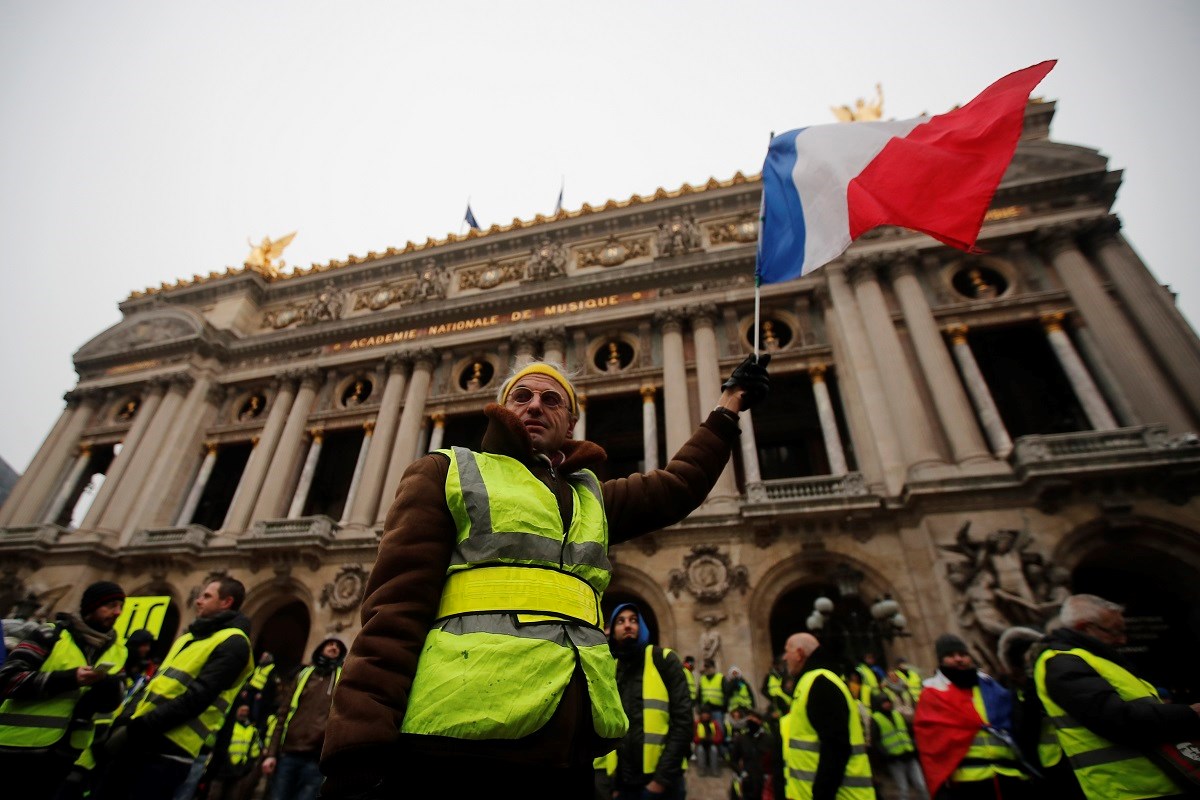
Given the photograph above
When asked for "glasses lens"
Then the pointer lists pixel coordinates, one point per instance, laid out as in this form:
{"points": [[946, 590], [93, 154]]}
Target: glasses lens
{"points": [[551, 399], [521, 395]]}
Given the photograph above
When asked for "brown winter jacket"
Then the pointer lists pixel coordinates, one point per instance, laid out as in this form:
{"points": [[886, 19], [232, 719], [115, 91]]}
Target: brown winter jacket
{"points": [[405, 587]]}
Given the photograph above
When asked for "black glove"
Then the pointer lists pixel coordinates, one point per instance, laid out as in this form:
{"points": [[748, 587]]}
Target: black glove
{"points": [[751, 377]]}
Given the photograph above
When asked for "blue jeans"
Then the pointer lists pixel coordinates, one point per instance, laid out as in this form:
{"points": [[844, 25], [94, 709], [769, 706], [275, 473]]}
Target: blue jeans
{"points": [[297, 778]]}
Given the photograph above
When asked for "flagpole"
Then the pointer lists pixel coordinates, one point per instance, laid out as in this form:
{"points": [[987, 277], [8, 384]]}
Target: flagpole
{"points": [[762, 218], [463, 221]]}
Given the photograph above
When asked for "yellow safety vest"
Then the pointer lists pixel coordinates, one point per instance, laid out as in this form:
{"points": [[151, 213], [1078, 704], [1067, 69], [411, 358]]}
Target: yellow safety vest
{"points": [[802, 746], [607, 763], [1104, 769], [42, 722], [691, 680], [260, 677], [244, 743], [913, 679], [783, 701], [870, 683], [894, 737], [656, 713], [520, 607], [300, 682], [988, 754], [178, 671], [712, 690], [741, 698]]}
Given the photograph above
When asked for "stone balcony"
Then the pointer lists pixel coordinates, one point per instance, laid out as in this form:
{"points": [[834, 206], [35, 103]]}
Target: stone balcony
{"points": [[22, 539], [816, 493], [168, 541], [1124, 448], [282, 541]]}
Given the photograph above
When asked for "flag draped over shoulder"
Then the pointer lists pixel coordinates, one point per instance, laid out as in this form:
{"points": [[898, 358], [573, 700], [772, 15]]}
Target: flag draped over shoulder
{"points": [[946, 722], [825, 185]]}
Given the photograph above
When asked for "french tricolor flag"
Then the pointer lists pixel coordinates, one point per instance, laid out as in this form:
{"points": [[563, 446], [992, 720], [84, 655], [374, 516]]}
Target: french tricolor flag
{"points": [[826, 185]]}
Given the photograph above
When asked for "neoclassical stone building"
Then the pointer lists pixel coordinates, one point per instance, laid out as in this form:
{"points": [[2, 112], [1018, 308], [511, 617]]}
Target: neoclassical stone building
{"points": [[971, 436]]}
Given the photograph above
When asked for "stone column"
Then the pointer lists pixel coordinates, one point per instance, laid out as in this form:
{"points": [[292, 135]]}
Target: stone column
{"points": [[829, 429], [916, 434], [1153, 309], [246, 495], [272, 500], [21, 489], [193, 498], [1111, 387], [977, 389], [55, 455], [67, 488], [356, 479], [708, 388], [953, 408], [366, 500], [316, 437], [160, 498], [579, 432], [1081, 382], [129, 446], [124, 503], [874, 398], [649, 428], [438, 421], [751, 471], [675, 389], [409, 428], [525, 347], [1151, 394], [553, 346]]}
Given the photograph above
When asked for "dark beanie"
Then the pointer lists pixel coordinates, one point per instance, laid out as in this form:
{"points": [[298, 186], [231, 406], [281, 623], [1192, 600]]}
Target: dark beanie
{"points": [[98, 594], [948, 643]]}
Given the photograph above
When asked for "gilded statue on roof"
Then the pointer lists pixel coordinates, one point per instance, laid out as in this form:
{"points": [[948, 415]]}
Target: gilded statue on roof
{"points": [[262, 255], [863, 111]]}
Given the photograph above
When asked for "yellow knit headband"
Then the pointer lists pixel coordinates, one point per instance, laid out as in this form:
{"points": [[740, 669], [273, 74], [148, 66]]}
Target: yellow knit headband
{"points": [[538, 368]]}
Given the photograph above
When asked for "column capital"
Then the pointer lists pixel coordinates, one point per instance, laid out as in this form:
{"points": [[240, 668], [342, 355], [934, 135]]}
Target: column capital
{"points": [[424, 356], [73, 397], [215, 394], [1103, 230], [669, 320], [396, 361], [183, 381], [862, 269], [158, 383], [702, 314], [210, 448], [369, 427], [1053, 321], [817, 373], [648, 393], [1056, 239], [957, 332], [438, 419], [84, 449], [905, 265], [316, 434], [254, 440]]}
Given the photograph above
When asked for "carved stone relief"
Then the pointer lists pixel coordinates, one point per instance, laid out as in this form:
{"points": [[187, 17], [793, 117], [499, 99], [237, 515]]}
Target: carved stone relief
{"points": [[739, 231], [708, 575], [547, 260], [491, 275], [346, 591], [613, 253]]}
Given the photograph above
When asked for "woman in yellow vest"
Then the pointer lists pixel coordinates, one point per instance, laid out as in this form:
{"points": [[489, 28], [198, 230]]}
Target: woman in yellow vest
{"points": [[482, 656]]}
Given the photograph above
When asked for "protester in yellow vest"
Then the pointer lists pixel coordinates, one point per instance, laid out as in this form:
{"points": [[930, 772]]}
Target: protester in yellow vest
{"points": [[824, 747], [653, 754], [892, 739], [234, 768], [156, 739], [53, 684], [1105, 717], [482, 655]]}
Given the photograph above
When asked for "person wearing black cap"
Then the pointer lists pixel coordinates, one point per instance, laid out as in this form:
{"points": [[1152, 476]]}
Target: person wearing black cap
{"points": [[963, 730], [652, 756], [294, 751], [54, 683]]}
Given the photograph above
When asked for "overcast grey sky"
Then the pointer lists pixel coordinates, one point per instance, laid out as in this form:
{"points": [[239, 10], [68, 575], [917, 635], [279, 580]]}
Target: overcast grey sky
{"points": [[144, 142]]}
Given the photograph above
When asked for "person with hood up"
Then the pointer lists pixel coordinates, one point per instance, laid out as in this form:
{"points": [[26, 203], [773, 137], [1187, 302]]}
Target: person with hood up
{"points": [[294, 752], [482, 654], [653, 755], [738, 693], [54, 684], [155, 741]]}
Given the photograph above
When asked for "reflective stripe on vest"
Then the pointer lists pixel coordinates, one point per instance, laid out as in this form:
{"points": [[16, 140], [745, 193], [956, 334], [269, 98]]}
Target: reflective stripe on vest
{"points": [[42, 722], [893, 733], [741, 698], [300, 682], [712, 690], [802, 748], [261, 674], [515, 663], [178, 671], [988, 754], [550, 594], [243, 743], [1104, 769], [913, 679]]}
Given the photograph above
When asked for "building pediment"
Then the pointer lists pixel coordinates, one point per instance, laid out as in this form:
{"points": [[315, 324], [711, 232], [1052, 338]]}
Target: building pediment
{"points": [[155, 331], [1046, 160]]}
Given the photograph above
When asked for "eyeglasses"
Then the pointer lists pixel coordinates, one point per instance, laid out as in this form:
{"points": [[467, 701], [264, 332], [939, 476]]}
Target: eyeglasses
{"points": [[1116, 633], [522, 395]]}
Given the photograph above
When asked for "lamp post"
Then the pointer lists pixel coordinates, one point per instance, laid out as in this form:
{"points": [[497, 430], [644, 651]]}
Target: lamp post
{"points": [[858, 635]]}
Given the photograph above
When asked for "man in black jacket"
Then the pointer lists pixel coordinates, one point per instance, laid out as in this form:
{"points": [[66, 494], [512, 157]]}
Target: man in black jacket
{"points": [[657, 773], [827, 710], [156, 739]]}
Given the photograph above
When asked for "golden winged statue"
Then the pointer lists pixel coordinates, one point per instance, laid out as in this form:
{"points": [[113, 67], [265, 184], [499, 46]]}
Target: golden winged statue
{"points": [[862, 111], [262, 255]]}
